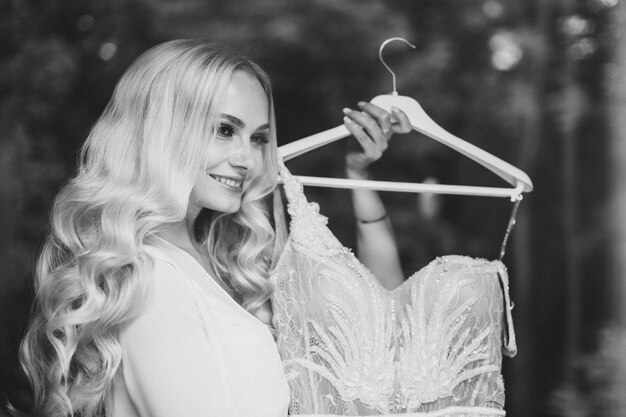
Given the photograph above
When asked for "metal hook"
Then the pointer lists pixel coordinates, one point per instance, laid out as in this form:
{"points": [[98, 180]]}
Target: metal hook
{"points": [[380, 56]]}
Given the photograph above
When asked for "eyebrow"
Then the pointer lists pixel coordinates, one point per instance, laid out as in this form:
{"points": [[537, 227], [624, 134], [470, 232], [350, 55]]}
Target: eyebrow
{"points": [[239, 123]]}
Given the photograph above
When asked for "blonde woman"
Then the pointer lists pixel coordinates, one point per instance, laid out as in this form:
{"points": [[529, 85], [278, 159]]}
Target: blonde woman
{"points": [[152, 288]]}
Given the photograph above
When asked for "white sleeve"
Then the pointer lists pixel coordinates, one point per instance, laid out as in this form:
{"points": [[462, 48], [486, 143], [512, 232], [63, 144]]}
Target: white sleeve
{"points": [[169, 362]]}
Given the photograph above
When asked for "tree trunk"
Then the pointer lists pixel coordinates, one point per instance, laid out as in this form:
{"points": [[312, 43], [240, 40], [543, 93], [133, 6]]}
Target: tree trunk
{"points": [[616, 98]]}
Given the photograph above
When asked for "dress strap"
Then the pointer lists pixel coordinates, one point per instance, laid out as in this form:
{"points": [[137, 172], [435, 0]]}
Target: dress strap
{"points": [[280, 226], [509, 227], [307, 226], [298, 206], [509, 343], [293, 187]]}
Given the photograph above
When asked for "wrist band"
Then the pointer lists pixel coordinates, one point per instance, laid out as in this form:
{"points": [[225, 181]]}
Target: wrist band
{"points": [[383, 217]]}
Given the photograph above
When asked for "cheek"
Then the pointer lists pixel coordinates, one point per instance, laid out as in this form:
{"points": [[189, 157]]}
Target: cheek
{"points": [[257, 170], [259, 163], [201, 180]]}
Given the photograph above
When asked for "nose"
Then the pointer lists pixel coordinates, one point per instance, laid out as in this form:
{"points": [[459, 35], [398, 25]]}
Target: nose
{"points": [[242, 155]]}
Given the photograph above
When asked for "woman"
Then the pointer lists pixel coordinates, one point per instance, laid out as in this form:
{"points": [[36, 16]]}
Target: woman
{"points": [[152, 286]]}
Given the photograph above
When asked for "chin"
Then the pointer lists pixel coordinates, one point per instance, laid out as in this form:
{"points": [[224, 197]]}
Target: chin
{"points": [[225, 208], [219, 202]]}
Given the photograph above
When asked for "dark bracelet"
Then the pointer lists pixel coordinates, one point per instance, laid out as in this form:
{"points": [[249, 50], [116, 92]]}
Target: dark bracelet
{"points": [[383, 217]]}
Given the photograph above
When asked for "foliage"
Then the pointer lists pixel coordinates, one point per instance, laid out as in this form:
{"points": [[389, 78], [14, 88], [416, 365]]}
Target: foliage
{"points": [[523, 80], [600, 382]]}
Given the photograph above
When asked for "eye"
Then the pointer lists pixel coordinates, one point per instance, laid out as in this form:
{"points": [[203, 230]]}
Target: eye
{"points": [[260, 139], [225, 130]]}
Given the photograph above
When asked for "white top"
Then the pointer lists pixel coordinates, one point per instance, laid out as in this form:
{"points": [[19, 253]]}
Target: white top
{"points": [[195, 351]]}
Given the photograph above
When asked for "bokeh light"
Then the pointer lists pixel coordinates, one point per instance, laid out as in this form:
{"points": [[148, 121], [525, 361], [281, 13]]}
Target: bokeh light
{"points": [[576, 25], [506, 51], [493, 9], [107, 51], [85, 22]]}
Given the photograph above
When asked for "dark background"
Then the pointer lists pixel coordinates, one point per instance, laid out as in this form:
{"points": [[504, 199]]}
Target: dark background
{"points": [[539, 83]]}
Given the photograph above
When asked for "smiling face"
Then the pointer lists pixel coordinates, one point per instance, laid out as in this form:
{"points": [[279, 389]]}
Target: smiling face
{"points": [[235, 156]]}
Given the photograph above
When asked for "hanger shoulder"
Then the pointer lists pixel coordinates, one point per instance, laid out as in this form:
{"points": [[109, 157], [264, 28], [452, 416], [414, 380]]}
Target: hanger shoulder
{"points": [[421, 122], [300, 146]]}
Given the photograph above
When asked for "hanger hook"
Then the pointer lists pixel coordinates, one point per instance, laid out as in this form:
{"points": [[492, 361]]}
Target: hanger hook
{"points": [[380, 56]]}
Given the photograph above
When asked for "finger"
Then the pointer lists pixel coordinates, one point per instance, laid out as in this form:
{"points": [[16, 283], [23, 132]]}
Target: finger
{"points": [[381, 116], [370, 126], [370, 148], [401, 121], [358, 132]]}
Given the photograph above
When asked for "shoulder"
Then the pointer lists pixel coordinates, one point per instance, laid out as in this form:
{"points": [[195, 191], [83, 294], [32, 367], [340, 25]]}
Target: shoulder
{"points": [[167, 297], [163, 276], [161, 260], [166, 273]]}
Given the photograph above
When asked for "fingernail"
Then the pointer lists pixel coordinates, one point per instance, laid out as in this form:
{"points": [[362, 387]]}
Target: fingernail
{"points": [[347, 119], [346, 110], [395, 109], [361, 103], [386, 130]]}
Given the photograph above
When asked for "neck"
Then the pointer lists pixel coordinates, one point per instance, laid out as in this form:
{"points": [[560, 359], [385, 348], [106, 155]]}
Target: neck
{"points": [[182, 234]]}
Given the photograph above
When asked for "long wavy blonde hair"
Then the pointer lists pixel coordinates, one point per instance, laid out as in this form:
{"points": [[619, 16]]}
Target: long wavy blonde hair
{"points": [[135, 176]]}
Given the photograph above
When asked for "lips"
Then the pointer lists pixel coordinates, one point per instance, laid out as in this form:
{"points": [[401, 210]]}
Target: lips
{"points": [[230, 182]]}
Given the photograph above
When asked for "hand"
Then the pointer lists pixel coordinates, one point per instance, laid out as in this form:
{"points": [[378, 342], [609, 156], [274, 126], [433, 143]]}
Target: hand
{"points": [[372, 127]]}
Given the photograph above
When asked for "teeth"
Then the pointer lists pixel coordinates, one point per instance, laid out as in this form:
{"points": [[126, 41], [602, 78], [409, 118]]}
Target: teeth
{"points": [[229, 182]]}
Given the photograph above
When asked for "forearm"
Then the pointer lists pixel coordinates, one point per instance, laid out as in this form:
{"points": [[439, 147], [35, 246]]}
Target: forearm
{"points": [[376, 245]]}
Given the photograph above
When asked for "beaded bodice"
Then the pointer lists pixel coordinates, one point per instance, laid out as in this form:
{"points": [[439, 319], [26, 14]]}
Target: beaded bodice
{"points": [[431, 347]]}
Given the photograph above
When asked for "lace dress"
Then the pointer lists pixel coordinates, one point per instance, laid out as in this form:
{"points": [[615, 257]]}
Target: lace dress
{"points": [[431, 347]]}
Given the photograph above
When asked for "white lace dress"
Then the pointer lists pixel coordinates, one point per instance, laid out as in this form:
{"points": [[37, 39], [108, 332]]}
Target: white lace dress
{"points": [[431, 347]]}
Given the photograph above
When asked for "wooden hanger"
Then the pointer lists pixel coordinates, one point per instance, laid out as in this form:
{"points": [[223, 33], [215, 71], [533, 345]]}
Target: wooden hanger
{"points": [[422, 123]]}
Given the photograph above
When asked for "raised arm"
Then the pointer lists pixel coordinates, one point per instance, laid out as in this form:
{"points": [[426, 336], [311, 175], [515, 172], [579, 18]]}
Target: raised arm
{"points": [[372, 128]]}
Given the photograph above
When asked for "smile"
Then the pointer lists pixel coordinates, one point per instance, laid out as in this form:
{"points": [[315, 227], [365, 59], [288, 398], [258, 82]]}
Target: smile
{"points": [[231, 183]]}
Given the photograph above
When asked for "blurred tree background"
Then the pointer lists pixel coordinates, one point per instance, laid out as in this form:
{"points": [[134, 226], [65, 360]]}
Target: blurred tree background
{"points": [[539, 83]]}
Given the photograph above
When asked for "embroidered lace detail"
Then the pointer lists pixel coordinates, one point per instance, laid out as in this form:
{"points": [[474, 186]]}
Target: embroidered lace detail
{"points": [[308, 229], [431, 347], [430, 365]]}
